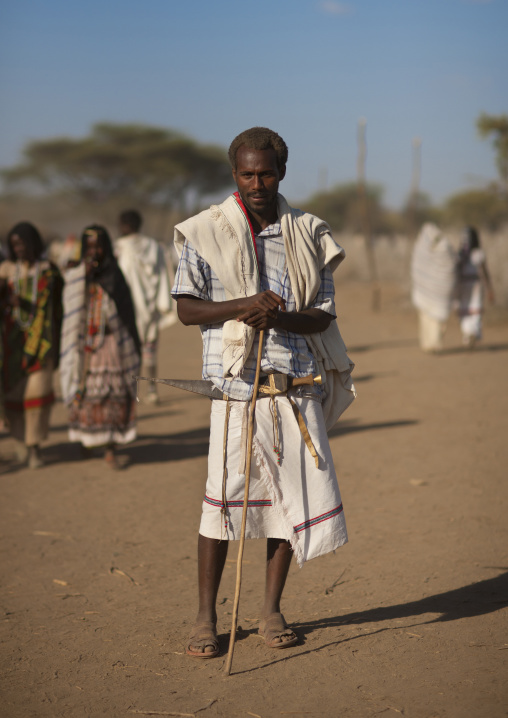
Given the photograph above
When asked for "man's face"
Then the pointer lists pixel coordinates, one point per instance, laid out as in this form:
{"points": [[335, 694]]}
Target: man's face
{"points": [[22, 250], [257, 178]]}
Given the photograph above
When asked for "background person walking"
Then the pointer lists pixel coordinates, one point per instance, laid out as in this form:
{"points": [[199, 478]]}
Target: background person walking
{"points": [[31, 289], [433, 278], [143, 264], [473, 283], [100, 349]]}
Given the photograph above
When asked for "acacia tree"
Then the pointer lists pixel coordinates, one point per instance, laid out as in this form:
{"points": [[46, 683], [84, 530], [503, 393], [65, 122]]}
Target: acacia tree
{"points": [[497, 126], [343, 207], [477, 207], [135, 164]]}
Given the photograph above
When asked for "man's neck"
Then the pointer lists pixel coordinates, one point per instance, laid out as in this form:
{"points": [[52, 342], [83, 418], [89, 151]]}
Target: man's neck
{"points": [[261, 222]]}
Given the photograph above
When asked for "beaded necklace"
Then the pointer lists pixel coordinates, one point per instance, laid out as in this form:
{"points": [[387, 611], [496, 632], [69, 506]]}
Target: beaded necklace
{"points": [[21, 291], [96, 317]]}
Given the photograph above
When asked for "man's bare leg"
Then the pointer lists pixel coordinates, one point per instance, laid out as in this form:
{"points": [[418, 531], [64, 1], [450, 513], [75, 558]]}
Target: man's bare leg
{"points": [[151, 395], [211, 561], [278, 560]]}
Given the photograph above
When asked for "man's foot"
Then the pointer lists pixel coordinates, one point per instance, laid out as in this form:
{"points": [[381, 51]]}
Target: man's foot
{"points": [[34, 458], [203, 642], [21, 452], [276, 632]]}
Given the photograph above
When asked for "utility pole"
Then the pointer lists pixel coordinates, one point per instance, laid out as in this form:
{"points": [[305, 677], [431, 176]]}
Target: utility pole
{"points": [[415, 182], [365, 213]]}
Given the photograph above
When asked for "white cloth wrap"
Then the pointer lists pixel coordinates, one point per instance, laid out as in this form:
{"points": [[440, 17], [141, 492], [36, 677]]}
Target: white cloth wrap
{"points": [[221, 235], [144, 267], [72, 339], [298, 490], [433, 273]]}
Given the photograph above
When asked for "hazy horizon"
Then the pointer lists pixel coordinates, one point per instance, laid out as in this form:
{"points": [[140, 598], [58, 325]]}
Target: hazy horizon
{"points": [[307, 69]]}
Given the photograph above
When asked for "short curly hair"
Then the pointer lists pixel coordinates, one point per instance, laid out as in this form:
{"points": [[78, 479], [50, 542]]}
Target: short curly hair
{"points": [[131, 218], [260, 138]]}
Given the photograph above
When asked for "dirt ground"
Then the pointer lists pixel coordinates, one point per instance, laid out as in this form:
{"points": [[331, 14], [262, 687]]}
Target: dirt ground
{"points": [[410, 617]]}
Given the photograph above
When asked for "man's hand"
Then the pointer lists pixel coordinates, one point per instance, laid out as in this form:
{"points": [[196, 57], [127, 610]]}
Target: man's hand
{"points": [[254, 311], [263, 310]]}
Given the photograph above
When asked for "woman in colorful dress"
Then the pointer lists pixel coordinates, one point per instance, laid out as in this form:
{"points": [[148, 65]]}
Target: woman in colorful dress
{"points": [[473, 283], [31, 290], [100, 349]]}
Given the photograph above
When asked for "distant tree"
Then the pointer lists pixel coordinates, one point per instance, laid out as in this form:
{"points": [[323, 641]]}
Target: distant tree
{"points": [[497, 126], [478, 207], [342, 207], [134, 164]]}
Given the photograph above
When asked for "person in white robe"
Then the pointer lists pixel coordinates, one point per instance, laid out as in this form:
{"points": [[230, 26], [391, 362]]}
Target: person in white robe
{"points": [[146, 271], [433, 279], [251, 263], [473, 284]]}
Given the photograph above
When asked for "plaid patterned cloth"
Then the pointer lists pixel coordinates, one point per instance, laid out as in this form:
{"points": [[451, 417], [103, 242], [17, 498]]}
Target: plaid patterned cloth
{"points": [[284, 351]]}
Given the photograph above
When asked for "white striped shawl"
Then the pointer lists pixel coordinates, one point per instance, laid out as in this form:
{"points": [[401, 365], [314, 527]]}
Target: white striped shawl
{"points": [[221, 235], [433, 273]]}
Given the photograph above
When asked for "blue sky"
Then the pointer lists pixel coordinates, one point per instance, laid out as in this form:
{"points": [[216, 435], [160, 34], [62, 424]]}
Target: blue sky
{"points": [[309, 69]]}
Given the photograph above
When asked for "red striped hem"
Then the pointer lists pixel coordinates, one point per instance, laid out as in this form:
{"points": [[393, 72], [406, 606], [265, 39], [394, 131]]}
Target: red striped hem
{"points": [[28, 404], [237, 504], [319, 519]]}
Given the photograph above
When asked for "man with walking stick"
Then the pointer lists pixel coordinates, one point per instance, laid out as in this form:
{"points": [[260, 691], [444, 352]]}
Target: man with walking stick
{"points": [[256, 276]]}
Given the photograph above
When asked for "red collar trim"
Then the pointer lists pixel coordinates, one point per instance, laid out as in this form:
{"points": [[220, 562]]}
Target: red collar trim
{"points": [[236, 195]]}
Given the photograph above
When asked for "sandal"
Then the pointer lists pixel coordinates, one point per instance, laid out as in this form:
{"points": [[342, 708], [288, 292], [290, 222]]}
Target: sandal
{"points": [[205, 635], [273, 628], [111, 460]]}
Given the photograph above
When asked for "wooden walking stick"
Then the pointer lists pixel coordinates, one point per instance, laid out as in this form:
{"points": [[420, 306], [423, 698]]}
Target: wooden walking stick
{"points": [[250, 433]]}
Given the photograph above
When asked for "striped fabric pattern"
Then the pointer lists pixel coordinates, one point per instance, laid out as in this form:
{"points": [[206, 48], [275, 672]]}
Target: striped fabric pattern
{"points": [[319, 519], [72, 338], [433, 273], [284, 352], [237, 504]]}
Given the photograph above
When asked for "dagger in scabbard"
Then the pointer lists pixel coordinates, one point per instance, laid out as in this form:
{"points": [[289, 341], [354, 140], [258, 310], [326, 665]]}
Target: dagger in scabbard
{"points": [[277, 385]]}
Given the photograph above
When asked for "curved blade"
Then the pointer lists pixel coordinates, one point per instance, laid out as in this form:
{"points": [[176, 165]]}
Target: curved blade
{"points": [[196, 386]]}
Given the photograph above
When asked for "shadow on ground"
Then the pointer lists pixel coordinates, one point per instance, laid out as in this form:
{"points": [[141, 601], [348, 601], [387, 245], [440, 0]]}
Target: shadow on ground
{"points": [[476, 599], [398, 344], [478, 348], [395, 344], [352, 427], [147, 449], [54, 428], [157, 448]]}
